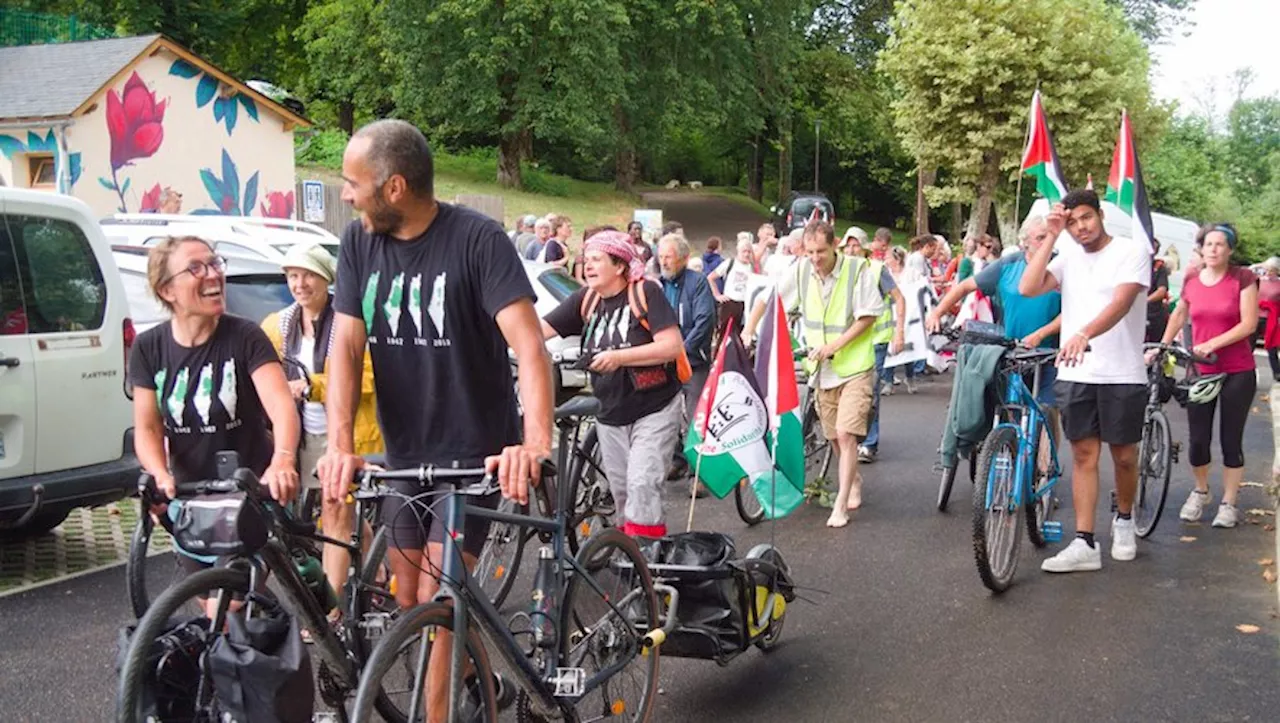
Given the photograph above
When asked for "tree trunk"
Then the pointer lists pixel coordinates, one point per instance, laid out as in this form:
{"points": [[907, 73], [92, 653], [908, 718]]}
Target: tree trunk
{"points": [[1007, 222], [957, 221], [924, 177], [624, 154], [509, 146], [755, 173], [784, 162], [347, 116], [987, 180]]}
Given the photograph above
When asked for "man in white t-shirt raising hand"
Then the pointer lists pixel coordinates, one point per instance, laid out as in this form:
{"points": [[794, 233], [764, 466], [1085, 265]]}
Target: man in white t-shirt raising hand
{"points": [[1101, 385]]}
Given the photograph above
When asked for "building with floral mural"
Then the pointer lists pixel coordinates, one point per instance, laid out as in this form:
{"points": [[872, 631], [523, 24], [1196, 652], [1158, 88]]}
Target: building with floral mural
{"points": [[114, 122]]}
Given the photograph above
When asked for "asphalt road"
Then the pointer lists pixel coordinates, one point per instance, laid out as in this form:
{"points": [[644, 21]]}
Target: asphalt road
{"points": [[897, 626], [705, 215]]}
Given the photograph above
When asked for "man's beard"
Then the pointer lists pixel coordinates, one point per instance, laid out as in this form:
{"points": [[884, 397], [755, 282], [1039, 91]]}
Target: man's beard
{"points": [[383, 217], [669, 275]]}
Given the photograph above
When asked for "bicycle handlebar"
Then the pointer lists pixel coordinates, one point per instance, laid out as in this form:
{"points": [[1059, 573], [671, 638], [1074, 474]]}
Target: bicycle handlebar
{"points": [[1181, 353]]}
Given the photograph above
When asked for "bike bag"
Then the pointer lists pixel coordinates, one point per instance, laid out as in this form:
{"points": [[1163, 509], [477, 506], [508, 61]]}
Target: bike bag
{"points": [[220, 525]]}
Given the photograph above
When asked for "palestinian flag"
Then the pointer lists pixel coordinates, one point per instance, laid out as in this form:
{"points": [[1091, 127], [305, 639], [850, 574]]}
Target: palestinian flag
{"points": [[727, 439], [776, 376], [1125, 188], [1040, 159]]}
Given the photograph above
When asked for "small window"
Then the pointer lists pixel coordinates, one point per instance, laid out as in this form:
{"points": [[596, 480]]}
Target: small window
{"points": [[63, 285], [43, 172], [559, 284]]}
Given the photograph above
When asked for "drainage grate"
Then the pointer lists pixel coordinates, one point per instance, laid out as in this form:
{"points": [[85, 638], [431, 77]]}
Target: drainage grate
{"points": [[89, 539]]}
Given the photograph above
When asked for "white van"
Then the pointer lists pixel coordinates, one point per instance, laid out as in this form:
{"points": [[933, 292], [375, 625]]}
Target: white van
{"points": [[1172, 233], [233, 236], [66, 423]]}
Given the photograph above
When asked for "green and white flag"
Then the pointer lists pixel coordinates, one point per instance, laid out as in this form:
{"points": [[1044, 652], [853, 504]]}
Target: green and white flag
{"points": [[726, 442]]}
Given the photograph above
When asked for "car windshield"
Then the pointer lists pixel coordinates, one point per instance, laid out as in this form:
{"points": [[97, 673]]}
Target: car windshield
{"points": [[254, 296], [559, 284]]}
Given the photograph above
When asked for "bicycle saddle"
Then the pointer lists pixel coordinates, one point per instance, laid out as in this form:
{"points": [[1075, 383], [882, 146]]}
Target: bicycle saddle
{"points": [[581, 406]]}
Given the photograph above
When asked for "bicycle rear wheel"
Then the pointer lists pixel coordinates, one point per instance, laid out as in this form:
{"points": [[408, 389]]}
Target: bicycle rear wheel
{"points": [[606, 612], [817, 448], [944, 486], [1153, 473], [398, 667], [996, 532], [593, 506], [1039, 507], [749, 507]]}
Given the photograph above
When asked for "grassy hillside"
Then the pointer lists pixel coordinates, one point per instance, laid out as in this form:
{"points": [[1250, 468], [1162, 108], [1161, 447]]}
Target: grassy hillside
{"points": [[588, 204]]}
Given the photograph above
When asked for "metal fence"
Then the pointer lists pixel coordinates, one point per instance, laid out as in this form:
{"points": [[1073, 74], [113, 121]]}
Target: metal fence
{"points": [[18, 27]]}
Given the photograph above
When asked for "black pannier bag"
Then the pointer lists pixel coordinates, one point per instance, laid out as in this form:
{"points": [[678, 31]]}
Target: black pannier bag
{"points": [[700, 566]]}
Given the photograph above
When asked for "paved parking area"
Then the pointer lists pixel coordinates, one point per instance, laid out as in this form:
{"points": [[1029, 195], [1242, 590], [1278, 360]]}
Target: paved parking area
{"points": [[89, 540]]}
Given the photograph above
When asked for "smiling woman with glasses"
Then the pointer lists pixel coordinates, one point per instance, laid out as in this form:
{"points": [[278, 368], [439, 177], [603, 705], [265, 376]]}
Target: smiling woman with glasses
{"points": [[206, 381]]}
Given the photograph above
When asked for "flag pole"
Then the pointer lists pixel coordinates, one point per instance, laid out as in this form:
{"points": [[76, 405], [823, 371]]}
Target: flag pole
{"points": [[1026, 138], [697, 466]]}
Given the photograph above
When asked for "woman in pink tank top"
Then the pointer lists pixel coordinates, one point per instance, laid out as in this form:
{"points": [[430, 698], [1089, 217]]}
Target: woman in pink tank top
{"points": [[1221, 299]]}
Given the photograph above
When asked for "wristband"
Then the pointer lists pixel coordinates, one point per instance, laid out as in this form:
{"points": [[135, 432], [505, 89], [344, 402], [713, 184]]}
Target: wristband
{"points": [[288, 452], [1081, 333]]}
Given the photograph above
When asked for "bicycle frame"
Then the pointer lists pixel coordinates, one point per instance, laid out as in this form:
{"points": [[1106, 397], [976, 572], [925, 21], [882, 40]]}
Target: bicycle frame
{"points": [[1030, 423], [496, 634]]}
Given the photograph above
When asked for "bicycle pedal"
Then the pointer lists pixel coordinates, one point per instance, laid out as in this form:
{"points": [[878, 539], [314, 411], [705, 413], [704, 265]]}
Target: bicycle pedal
{"points": [[374, 624], [569, 682], [1051, 531]]}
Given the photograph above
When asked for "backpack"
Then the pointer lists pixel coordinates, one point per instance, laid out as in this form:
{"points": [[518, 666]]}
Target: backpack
{"points": [[640, 310]]}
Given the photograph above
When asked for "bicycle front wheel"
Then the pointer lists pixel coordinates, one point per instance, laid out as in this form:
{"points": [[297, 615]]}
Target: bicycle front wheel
{"points": [[606, 613], [817, 448], [397, 671], [499, 562], [996, 528], [1153, 473], [164, 676]]}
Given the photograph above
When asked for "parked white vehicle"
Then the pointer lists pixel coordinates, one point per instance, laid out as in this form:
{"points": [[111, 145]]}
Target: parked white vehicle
{"points": [[552, 286], [233, 236], [66, 423], [1171, 232]]}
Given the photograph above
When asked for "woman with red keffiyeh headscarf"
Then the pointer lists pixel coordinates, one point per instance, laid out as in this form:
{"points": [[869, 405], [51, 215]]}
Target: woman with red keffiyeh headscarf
{"points": [[630, 341]]}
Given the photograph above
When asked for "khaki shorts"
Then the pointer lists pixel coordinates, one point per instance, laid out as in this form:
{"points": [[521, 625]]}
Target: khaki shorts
{"points": [[846, 408]]}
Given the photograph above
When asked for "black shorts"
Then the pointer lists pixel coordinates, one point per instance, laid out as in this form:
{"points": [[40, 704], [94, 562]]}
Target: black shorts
{"points": [[1110, 412], [410, 526]]}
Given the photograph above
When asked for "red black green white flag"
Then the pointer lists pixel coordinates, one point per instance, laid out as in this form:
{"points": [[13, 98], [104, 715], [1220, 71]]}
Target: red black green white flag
{"points": [[1040, 159], [1125, 188]]}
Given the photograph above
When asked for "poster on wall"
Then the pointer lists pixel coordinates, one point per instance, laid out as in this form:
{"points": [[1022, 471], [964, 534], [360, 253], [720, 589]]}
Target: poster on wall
{"points": [[313, 201], [920, 300], [649, 218]]}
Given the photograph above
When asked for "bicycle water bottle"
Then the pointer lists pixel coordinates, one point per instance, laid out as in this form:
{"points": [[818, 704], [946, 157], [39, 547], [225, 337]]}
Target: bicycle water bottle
{"points": [[312, 573], [544, 600]]}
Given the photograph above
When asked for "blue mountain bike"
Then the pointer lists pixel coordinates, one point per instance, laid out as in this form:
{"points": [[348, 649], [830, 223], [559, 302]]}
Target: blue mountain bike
{"points": [[1017, 470]]}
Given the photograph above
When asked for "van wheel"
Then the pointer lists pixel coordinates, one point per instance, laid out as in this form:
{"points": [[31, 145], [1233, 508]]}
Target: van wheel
{"points": [[41, 524]]}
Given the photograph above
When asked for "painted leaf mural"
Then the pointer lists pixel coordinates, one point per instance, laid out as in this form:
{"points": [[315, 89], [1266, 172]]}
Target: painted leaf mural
{"points": [[225, 109], [225, 191], [36, 143]]}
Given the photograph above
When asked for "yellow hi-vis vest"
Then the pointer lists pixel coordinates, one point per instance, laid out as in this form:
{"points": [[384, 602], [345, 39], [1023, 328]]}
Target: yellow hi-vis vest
{"points": [[882, 332], [823, 323]]}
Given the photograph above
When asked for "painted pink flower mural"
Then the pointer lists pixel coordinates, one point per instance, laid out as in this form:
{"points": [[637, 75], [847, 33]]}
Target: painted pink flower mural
{"points": [[279, 204], [135, 123]]}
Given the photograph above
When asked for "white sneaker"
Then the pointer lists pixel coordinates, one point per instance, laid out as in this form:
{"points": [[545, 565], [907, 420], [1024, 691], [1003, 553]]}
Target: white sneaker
{"points": [[1227, 516], [1193, 510], [1076, 557], [1124, 539]]}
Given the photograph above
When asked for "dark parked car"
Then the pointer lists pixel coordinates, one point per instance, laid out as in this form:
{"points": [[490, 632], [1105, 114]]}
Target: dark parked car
{"points": [[799, 208]]}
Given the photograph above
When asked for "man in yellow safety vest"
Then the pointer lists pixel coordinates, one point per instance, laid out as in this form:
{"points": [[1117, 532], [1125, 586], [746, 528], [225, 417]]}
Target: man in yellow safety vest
{"points": [[839, 299]]}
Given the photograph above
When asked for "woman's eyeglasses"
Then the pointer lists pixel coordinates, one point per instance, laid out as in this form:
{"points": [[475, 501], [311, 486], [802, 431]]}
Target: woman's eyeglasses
{"points": [[201, 269]]}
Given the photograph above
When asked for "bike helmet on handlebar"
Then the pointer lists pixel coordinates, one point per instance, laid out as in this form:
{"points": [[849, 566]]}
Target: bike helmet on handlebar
{"points": [[1200, 390]]}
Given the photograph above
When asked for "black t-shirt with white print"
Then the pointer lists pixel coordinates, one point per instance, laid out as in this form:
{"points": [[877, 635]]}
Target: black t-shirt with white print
{"points": [[440, 365], [629, 393], [206, 395]]}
